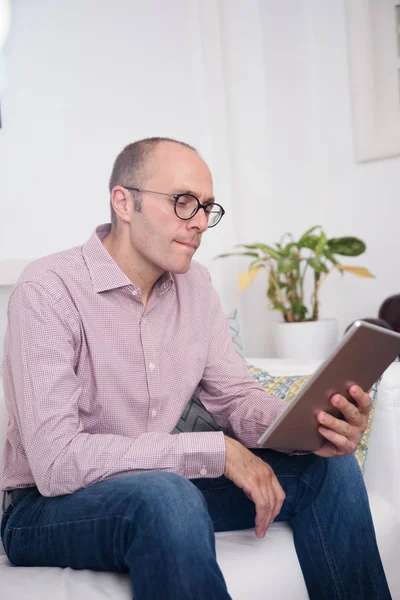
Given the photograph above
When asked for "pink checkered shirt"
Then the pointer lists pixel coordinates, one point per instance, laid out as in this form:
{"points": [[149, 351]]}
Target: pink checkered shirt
{"points": [[95, 382]]}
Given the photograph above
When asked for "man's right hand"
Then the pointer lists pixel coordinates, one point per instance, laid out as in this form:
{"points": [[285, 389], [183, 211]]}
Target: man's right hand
{"points": [[257, 480]]}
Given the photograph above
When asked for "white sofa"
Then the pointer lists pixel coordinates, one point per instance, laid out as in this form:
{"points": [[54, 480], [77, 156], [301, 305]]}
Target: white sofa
{"points": [[252, 568]]}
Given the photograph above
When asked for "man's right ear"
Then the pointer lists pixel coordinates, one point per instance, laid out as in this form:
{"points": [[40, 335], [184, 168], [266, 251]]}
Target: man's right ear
{"points": [[122, 203]]}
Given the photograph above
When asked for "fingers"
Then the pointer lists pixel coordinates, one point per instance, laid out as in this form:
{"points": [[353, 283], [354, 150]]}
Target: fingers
{"points": [[344, 435], [280, 498], [354, 415], [264, 502], [341, 434], [362, 398], [343, 444], [257, 480], [351, 412], [268, 499], [337, 425]]}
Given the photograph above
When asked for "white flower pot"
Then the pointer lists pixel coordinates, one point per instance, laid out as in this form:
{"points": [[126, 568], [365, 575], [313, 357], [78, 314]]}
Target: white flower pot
{"points": [[312, 340]]}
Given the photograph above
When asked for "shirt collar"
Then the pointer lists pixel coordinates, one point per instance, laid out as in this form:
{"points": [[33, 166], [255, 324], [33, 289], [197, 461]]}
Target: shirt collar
{"points": [[104, 271], [164, 283]]}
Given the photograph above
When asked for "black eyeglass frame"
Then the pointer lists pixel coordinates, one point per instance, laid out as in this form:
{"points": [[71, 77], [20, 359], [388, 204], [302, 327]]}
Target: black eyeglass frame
{"points": [[176, 198]]}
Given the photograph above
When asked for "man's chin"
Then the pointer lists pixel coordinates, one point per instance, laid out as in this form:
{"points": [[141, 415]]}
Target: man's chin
{"points": [[180, 268]]}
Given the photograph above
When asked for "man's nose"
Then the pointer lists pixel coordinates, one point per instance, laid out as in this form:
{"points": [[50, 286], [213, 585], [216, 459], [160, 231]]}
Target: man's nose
{"points": [[199, 220]]}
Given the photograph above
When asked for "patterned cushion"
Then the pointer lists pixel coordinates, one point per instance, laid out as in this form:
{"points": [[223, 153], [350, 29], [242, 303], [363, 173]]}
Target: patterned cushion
{"points": [[362, 449], [196, 418], [233, 320]]}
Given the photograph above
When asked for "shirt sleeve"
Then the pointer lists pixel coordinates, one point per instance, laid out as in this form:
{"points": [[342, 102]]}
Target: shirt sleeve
{"points": [[42, 350], [237, 403]]}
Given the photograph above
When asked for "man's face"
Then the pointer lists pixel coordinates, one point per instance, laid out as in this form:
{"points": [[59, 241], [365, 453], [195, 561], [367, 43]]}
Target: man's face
{"points": [[162, 240]]}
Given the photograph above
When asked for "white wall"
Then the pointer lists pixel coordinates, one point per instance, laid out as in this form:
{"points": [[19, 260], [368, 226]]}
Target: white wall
{"points": [[260, 87]]}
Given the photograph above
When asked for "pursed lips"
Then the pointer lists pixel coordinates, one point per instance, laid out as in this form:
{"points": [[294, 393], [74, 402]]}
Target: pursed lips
{"points": [[188, 244]]}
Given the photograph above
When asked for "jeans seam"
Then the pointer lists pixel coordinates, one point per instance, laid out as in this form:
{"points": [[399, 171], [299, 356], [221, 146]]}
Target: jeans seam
{"points": [[32, 527], [10, 554], [301, 477], [328, 558], [327, 554]]}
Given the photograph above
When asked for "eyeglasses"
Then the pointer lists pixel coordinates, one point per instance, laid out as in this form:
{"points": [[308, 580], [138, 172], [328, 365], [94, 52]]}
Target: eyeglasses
{"points": [[187, 205]]}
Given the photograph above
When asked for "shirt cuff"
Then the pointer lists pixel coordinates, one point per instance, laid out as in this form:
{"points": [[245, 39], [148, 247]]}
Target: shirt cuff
{"points": [[204, 454]]}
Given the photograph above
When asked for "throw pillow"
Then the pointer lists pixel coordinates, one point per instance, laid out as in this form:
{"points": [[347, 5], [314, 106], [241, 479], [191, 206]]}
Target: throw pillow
{"points": [[233, 321]]}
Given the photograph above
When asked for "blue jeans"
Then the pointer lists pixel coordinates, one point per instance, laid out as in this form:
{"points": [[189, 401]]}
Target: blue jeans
{"points": [[160, 527]]}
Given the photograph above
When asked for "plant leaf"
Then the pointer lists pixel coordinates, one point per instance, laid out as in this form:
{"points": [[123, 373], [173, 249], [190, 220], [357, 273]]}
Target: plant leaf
{"points": [[283, 237], [299, 309], [286, 250], [247, 277], [259, 262], [264, 248], [346, 246], [279, 307], [307, 234], [330, 257], [319, 248], [317, 265], [253, 254], [309, 241], [285, 265], [359, 271]]}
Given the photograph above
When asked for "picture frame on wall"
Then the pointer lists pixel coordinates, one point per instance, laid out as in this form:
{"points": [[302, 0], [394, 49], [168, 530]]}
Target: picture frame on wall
{"points": [[373, 36]]}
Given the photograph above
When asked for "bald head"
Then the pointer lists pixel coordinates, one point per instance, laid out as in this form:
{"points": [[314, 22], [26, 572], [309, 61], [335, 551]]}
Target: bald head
{"points": [[135, 164]]}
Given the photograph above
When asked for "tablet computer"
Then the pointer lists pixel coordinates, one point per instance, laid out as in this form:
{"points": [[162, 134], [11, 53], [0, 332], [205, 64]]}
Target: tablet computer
{"points": [[360, 358]]}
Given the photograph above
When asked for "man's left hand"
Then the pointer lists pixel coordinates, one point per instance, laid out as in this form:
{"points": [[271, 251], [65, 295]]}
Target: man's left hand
{"points": [[343, 435]]}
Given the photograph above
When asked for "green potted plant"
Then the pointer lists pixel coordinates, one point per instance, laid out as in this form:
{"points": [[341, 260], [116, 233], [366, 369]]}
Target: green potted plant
{"points": [[289, 264]]}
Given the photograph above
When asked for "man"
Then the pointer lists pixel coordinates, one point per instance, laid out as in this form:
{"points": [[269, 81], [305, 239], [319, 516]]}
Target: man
{"points": [[106, 343]]}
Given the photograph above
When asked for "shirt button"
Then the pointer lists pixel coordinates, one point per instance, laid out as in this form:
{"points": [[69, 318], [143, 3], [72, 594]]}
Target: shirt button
{"points": [[203, 471], [153, 412], [134, 293], [152, 366], [143, 321]]}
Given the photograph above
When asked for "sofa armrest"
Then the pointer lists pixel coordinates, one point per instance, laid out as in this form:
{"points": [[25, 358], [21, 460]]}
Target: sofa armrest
{"points": [[382, 466]]}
